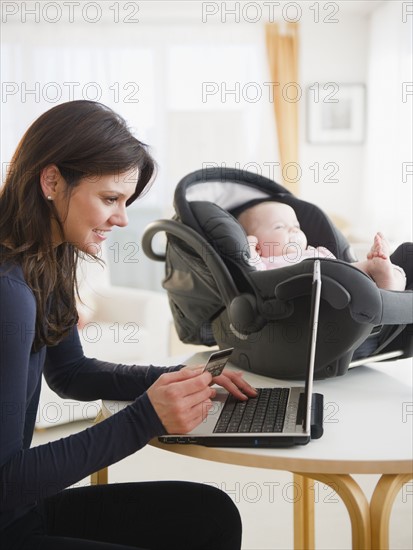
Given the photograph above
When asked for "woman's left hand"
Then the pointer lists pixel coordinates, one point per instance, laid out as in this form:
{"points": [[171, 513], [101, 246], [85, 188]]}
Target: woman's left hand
{"points": [[233, 382]]}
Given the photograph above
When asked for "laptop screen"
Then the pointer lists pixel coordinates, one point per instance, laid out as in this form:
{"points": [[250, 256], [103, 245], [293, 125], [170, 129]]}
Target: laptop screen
{"points": [[311, 348]]}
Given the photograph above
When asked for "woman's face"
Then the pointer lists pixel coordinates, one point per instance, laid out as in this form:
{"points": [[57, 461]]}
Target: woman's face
{"points": [[92, 209]]}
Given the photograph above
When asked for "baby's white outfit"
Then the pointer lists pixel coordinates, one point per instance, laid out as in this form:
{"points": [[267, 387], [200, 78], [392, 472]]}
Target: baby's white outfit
{"points": [[274, 262]]}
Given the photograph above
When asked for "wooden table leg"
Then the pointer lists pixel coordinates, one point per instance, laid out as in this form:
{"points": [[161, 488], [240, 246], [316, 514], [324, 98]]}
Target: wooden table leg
{"points": [[381, 506], [100, 477], [304, 515], [355, 501]]}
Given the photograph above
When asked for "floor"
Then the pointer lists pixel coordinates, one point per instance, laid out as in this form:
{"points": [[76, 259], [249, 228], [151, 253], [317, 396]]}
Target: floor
{"points": [[264, 497]]}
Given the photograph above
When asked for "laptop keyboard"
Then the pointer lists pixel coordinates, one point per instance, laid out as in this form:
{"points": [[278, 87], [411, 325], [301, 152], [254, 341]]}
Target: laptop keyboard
{"points": [[264, 413]]}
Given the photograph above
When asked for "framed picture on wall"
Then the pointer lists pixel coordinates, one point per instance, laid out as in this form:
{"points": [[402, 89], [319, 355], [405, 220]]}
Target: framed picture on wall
{"points": [[335, 113]]}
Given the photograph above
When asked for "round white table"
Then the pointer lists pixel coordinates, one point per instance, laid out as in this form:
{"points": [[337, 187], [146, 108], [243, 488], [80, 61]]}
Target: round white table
{"points": [[368, 421]]}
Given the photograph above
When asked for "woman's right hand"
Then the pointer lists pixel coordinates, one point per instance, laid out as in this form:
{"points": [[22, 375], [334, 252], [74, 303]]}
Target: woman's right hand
{"points": [[182, 399]]}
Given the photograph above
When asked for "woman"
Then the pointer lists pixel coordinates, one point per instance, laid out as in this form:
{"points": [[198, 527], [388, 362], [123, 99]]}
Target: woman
{"points": [[72, 176]]}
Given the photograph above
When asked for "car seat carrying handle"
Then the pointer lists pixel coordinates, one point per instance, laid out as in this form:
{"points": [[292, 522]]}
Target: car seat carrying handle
{"points": [[242, 307], [332, 291], [204, 250]]}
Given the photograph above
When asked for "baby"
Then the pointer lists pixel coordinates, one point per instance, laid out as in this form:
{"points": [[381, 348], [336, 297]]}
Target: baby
{"points": [[276, 240]]}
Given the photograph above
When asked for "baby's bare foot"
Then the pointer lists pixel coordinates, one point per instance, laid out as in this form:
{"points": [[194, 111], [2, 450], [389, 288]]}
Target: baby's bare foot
{"points": [[385, 274], [381, 270], [380, 248]]}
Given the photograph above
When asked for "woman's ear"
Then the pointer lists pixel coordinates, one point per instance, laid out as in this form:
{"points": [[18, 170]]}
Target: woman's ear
{"points": [[49, 179]]}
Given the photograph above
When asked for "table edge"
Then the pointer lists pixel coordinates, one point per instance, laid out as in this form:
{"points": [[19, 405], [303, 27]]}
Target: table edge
{"points": [[241, 458]]}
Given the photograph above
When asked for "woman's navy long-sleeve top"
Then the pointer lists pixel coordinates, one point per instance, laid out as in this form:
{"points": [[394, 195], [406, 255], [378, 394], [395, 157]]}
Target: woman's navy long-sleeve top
{"points": [[28, 475]]}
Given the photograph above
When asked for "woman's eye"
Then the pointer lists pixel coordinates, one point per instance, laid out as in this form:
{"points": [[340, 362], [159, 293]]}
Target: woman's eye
{"points": [[111, 200]]}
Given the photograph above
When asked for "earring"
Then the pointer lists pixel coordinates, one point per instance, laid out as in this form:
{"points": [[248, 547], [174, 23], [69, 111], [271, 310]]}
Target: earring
{"points": [[49, 198]]}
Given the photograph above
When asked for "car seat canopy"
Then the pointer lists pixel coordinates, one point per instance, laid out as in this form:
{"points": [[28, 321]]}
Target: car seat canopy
{"points": [[231, 189]]}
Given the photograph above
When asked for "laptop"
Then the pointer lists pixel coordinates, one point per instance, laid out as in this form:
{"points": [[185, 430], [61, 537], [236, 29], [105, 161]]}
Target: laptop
{"points": [[277, 417]]}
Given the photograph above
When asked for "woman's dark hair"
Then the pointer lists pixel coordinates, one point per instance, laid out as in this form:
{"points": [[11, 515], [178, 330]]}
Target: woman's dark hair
{"points": [[82, 138]]}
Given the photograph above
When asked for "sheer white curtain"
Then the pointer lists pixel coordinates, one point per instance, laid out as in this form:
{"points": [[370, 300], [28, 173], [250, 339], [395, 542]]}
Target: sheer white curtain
{"points": [[153, 75], [40, 73], [387, 196], [219, 111]]}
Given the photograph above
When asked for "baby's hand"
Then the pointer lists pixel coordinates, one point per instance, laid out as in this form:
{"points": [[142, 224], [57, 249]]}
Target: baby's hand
{"points": [[254, 253], [253, 245]]}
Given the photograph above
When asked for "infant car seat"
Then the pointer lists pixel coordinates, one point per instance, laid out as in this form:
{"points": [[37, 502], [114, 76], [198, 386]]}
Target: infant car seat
{"points": [[216, 297]]}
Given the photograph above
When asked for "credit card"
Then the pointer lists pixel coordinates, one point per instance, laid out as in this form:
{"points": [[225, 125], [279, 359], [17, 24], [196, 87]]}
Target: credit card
{"points": [[217, 361]]}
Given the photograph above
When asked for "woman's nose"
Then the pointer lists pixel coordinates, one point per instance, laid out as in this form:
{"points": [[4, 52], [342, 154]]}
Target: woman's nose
{"points": [[120, 218]]}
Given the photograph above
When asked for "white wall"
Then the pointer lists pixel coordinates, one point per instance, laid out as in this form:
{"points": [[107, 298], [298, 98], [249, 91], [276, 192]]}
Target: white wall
{"points": [[388, 185], [334, 53], [375, 49]]}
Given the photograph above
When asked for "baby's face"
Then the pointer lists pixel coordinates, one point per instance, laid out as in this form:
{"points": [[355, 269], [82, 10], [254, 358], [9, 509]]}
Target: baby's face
{"points": [[276, 227]]}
